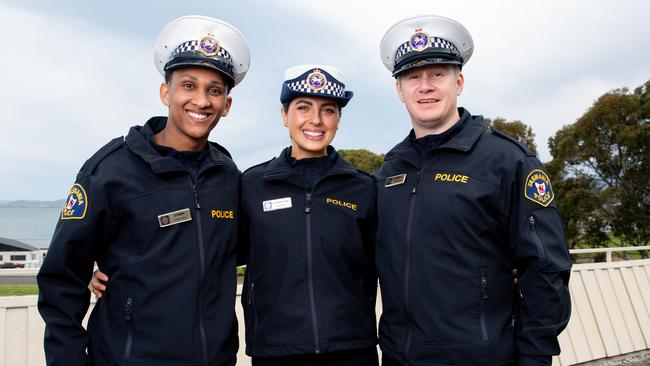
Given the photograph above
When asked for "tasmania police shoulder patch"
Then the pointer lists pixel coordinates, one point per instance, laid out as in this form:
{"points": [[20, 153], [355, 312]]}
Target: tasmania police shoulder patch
{"points": [[76, 204], [538, 188]]}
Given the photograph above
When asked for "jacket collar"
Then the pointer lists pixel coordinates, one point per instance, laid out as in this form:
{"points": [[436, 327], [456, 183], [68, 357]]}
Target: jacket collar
{"points": [[139, 145], [279, 168], [463, 140]]}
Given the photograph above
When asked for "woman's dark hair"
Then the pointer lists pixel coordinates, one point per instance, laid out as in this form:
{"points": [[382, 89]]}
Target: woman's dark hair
{"points": [[285, 106]]}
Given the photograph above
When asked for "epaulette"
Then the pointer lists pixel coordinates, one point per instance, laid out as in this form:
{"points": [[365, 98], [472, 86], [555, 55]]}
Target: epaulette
{"points": [[260, 164], [91, 164], [502, 135]]}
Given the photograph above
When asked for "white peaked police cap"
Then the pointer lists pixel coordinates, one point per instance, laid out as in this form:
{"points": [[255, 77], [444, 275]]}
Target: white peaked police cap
{"points": [[200, 41], [425, 40]]}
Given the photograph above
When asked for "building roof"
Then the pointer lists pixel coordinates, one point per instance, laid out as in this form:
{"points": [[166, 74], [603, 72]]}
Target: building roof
{"points": [[11, 245]]}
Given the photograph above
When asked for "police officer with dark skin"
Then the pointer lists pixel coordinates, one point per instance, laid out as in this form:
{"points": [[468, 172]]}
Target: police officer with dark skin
{"points": [[307, 227], [459, 206], [156, 210]]}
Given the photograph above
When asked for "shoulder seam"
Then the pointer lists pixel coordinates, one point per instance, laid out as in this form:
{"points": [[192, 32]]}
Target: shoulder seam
{"points": [[502, 135], [91, 164], [258, 165]]}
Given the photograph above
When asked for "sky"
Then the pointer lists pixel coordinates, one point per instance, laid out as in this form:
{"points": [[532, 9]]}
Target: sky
{"points": [[76, 74]]}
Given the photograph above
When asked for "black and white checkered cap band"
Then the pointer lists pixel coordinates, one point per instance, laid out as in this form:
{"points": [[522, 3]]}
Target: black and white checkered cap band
{"points": [[434, 42], [330, 88], [193, 46]]}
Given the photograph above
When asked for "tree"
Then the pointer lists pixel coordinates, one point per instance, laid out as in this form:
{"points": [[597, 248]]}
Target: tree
{"points": [[608, 151], [579, 205], [515, 129], [362, 159]]}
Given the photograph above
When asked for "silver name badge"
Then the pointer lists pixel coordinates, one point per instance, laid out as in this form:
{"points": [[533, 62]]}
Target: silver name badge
{"points": [[277, 204], [395, 180], [173, 218]]}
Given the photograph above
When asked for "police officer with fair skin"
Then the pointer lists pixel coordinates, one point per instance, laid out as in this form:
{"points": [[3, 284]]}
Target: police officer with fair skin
{"points": [[307, 227], [155, 209], [459, 206]]}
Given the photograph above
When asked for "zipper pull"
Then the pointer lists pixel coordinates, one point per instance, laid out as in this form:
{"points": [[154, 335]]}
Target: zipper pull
{"points": [[531, 219], [196, 197], [127, 309], [484, 292], [417, 182], [308, 203]]}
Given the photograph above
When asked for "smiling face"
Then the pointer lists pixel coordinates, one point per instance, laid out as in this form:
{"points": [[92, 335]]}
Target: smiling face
{"points": [[197, 98], [312, 124], [430, 94]]}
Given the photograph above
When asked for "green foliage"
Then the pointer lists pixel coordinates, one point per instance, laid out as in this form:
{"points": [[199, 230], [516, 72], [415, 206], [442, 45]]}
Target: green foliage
{"points": [[515, 129], [362, 159], [603, 160], [18, 290]]}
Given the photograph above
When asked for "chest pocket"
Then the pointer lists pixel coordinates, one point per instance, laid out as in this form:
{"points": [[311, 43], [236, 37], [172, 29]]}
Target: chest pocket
{"points": [[453, 196], [454, 187]]}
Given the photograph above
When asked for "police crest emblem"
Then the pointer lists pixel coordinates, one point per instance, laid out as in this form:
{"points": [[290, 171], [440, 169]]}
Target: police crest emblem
{"points": [[76, 204], [419, 40], [316, 80], [538, 188], [208, 45]]}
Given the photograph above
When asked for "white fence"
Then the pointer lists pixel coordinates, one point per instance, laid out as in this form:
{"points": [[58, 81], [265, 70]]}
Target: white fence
{"points": [[610, 317]]}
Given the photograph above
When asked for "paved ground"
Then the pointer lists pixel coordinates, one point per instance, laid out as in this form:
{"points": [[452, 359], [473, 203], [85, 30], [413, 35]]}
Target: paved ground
{"points": [[641, 358]]}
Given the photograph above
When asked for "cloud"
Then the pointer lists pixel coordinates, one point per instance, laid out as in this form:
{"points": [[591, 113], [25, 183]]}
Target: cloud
{"points": [[79, 75], [62, 99], [542, 62]]}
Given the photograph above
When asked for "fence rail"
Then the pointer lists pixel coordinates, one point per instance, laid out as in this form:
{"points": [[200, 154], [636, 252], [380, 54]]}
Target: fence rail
{"points": [[609, 251], [610, 315]]}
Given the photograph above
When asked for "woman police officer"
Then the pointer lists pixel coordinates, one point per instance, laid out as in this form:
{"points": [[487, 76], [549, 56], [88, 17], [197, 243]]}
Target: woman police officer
{"points": [[307, 222]]}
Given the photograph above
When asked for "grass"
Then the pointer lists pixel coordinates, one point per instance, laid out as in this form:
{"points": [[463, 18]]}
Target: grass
{"points": [[18, 290]]}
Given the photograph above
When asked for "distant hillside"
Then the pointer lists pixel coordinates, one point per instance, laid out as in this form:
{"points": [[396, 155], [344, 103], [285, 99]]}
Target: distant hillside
{"points": [[27, 203]]}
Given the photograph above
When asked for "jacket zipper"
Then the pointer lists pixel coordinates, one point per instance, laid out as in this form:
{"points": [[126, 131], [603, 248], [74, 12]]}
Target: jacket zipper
{"points": [[197, 215], [310, 278], [251, 303], [533, 230], [128, 316], [407, 265], [250, 293], [484, 298]]}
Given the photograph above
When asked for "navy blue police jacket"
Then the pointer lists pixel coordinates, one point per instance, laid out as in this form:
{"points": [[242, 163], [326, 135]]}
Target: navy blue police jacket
{"points": [[310, 283], [171, 293], [453, 223]]}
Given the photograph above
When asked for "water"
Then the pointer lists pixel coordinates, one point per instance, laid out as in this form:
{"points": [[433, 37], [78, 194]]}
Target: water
{"points": [[30, 225]]}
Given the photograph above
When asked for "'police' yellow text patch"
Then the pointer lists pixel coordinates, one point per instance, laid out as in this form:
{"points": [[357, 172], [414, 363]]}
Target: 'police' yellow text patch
{"points": [[222, 214], [333, 201], [450, 177], [538, 188], [76, 205]]}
